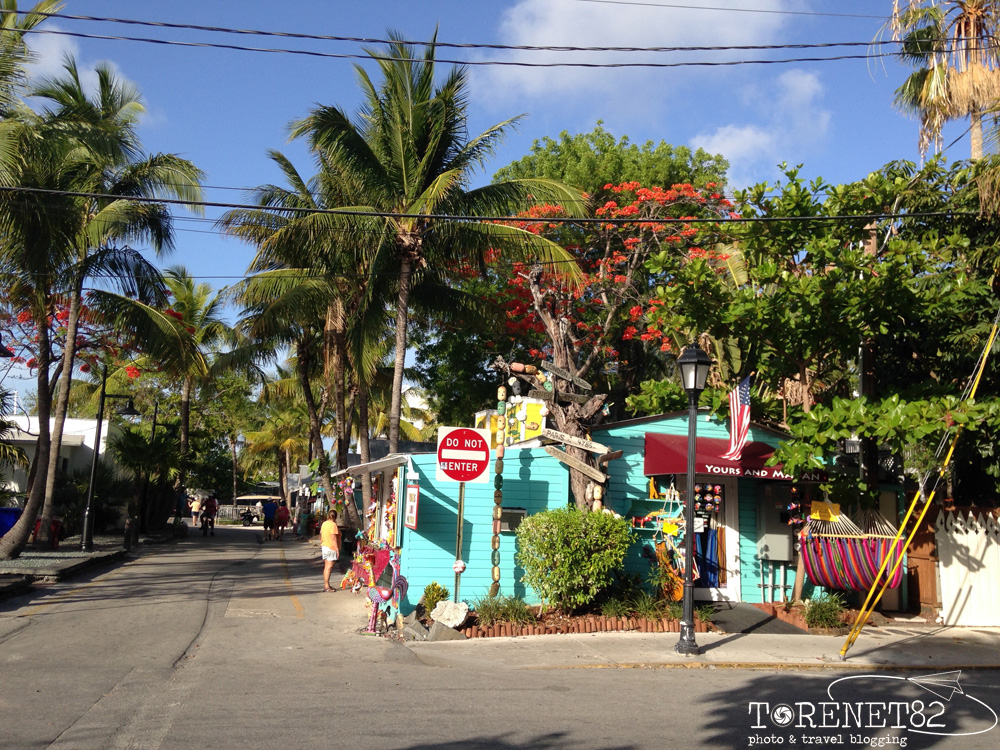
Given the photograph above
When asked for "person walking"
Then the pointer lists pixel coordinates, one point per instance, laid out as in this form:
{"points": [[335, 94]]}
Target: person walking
{"points": [[195, 511], [269, 511], [208, 513], [281, 517], [329, 535]]}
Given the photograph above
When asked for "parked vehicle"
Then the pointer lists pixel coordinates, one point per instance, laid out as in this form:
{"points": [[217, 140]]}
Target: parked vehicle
{"points": [[249, 517]]}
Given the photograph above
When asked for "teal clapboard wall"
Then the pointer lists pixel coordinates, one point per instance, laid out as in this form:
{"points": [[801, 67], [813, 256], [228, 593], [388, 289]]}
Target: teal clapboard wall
{"points": [[629, 488], [533, 480]]}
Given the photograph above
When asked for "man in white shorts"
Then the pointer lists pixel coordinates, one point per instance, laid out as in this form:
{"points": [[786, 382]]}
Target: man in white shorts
{"points": [[329, 536]]}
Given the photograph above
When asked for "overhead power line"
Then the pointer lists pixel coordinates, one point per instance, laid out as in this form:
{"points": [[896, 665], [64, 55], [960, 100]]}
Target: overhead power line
{"points": [[452, 45], [501, 63], [768, 11], [480, 219]]}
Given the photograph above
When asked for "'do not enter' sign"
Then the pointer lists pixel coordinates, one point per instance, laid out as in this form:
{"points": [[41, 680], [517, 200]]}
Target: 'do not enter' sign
{"points": [[463, 454]]}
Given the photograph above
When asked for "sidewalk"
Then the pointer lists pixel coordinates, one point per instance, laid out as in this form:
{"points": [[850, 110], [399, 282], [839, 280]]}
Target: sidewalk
{"points": [[56, 565]]}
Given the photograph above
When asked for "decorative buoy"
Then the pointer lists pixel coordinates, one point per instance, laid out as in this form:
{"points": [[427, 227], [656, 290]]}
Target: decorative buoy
{"points": [[500, 450], [529, 369], [547, 385], [532, 425], [540, 377], [516, 367], [598, 492], [497, 511], [499, 466], [458, 567], [495, 557], [501, 408], [498, 481], [502, 393]]}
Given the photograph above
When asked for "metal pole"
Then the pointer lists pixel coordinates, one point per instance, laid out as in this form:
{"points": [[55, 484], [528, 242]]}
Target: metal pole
{"points": [[87, 533], [458, 536], [687, 645]]}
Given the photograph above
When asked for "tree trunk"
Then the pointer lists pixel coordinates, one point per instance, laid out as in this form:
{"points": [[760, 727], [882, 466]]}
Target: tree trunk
{"points": [[402, 311], [14, 541], [364, 447], [235, 457], [185, 428], [59, 417], [976, 132]]}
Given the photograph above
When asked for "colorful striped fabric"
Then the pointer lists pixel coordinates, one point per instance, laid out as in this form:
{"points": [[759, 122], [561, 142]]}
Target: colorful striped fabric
{"points": [[852, 564]]}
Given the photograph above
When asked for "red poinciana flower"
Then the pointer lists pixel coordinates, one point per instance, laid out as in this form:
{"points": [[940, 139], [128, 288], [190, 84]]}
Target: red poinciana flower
{"points": [[133, 372]]}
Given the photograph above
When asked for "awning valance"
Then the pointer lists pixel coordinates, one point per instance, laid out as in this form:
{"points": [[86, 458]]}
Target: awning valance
{"points": [[389, 462], [667, 454]]}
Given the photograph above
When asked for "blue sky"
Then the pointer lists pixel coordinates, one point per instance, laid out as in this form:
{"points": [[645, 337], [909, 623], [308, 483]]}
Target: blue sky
{"points": [[223, 109]]}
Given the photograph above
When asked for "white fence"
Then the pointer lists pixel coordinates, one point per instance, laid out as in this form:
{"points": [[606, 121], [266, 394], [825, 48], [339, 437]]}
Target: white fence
{"points": [[969, 554]]}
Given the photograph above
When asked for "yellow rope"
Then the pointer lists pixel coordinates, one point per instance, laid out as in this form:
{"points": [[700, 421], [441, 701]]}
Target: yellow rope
{"points": [[867, 610]]}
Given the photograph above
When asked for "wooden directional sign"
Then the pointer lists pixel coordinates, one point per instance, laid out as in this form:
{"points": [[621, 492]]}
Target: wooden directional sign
{"points": [[576, 398], [566, 375], [576, 442], [575, 463], [539, 393], [609, 457]]}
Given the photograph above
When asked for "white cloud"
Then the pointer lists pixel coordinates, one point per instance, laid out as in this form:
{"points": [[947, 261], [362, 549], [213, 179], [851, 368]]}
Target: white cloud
{"points": [[583, 24], [791, 122], [48, 53]]}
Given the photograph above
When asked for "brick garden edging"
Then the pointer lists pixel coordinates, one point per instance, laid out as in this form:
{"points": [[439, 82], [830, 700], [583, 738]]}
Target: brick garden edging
{"points": [[582, 625]]}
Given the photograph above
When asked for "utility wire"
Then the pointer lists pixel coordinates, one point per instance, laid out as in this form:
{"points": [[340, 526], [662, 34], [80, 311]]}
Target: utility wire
{"points": [[480, 63], [673, 6], [455, 45], [484, 219]]}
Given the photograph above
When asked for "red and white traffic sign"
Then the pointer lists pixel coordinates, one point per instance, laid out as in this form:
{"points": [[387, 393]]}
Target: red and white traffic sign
{"points": [[463, 454]]}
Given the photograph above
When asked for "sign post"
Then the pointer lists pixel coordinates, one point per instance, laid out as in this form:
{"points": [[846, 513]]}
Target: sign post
{"points": [[463, 455]]}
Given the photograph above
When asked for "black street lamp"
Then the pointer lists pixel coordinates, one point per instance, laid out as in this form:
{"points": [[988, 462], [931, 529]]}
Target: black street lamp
{"points": [[87, 533], [694, 365]]}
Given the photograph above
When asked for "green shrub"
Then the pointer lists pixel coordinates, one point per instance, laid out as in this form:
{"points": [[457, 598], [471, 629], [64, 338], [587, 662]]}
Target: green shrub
{"points": [[646, 605], [615, 608], [704, 613], [433, 594], [825, 611], [569, 556], [674, 610], [493, 609]]}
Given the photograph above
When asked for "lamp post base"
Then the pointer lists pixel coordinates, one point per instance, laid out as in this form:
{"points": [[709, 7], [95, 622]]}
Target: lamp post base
{"points": [[686, 645]]}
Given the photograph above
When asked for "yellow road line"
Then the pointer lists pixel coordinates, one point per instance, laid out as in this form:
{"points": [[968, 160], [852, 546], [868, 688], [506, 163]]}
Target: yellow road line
{"points": [[300, 611]]}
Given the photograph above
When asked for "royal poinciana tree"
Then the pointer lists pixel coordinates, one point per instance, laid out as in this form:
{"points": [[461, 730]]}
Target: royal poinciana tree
{"points": [[580, 328]]}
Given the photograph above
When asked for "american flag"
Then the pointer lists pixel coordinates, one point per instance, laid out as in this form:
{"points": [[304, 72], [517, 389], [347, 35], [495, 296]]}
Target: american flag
{"points": [[739, 419]]}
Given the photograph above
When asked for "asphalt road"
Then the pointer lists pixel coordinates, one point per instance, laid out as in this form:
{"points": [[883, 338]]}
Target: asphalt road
{"points": [[229, 642]]}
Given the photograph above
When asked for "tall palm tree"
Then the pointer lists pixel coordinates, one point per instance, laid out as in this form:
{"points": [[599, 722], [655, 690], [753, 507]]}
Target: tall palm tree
{"points": [[953, 45], [198, 310], [410, 161], [309, 291], [116, 168]]}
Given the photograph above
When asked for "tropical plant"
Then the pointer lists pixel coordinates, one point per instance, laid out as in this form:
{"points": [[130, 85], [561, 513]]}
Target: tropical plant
{"points": [[493, 609], [408, 161], [434, 593], [570, 556], [953, 45], [825, 611]]}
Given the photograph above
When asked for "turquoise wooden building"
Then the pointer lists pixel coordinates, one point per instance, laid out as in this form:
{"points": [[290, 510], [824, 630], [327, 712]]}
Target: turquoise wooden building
{"points": [[745, 538]]}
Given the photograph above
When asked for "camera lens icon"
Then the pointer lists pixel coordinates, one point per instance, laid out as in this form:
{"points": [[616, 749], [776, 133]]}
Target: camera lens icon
{"points": [[782, 715]]}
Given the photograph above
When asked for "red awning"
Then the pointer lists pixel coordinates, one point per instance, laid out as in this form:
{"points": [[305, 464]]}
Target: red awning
{"points": [[667, 454]]}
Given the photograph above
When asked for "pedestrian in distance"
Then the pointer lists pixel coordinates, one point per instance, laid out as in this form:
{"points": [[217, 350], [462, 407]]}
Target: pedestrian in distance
{"points": [[269, 511], [329, 535], [195, 511], [281, 517], [208, 513]]}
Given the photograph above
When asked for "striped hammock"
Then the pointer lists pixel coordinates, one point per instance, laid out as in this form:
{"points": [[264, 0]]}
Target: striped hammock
{"points": [[842, 555]]}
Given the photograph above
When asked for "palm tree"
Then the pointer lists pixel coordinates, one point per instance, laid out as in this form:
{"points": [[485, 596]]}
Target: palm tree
{"points": [[953, 45], [116, 168], [409, 162], [197, 310]]}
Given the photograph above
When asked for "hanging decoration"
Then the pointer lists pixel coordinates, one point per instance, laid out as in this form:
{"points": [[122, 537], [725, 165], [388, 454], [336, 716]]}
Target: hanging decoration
{"points": [[842, 554]]}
